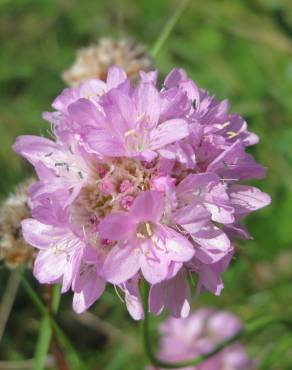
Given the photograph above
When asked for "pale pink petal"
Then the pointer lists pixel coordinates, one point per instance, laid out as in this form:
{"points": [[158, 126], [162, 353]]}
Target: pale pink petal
{"points": [[85, 113], [149, 76], [173, 293], [104, 143], [175, 246], [92, 289], [115, 77], [177, 295], [224, 324], [174, 78], [213, 244], [117, 226], [154, 267], [133, 298], [72, 267], [91, 89], [147, 102], [156, 298], [220, 212], [192, 217], [121, 264], [120, 112], [33, 148], [148, 206], [168, 132], [40, 235], [246, 199], [49, 266]]}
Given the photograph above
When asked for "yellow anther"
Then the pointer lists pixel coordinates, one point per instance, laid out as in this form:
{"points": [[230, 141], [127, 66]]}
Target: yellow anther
{"points": [[232, 134], [225, 124], [144, 230], [140, 116], [148, 228], [130, 133]]}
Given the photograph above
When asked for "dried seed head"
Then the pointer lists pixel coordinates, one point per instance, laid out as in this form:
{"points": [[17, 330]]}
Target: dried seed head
{"points": [[14, 251], [94, 61]]}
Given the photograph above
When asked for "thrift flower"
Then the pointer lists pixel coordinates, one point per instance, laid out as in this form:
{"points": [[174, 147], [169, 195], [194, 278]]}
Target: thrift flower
{"points": [[201, 332], [139, 182]]}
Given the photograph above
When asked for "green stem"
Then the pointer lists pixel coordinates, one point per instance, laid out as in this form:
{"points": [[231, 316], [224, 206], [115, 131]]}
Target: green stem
{"points": [[168, 28], [45, 332], [43, 343], [59, 332], [250, 329]]}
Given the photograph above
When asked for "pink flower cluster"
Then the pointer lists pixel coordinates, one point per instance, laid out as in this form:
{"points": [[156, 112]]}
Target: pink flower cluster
{"points": [[201, 332], [139, 182]]}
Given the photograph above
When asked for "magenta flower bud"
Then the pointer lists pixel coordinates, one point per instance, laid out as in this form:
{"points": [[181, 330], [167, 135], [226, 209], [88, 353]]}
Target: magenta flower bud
{"points": [[127, 202], [107, 242], [126, 185], [107, 187], [101, 170]]}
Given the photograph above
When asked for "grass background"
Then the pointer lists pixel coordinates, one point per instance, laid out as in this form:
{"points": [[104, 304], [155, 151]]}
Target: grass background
{"points": [[237, 49]]}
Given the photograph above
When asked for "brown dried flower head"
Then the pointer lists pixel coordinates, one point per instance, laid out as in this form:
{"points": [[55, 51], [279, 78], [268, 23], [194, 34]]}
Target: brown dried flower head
{"points": [[14, 251], [94, 61]]}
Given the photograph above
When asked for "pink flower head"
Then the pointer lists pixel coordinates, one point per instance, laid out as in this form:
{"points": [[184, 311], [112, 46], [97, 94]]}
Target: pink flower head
{"points": [[139, 182], [201, 332]]}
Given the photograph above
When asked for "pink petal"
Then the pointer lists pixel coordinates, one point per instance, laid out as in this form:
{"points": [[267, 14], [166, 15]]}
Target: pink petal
{"points": [[156, 298], [71, 269], [168, 132], [40, 235], [49, 266], [154, 267], [247, 199], [194, 182], [149, 76], [117, 226], [120, 112], [213, 244], [148, 206], [115, 77], [177, 295], [91, 89], [104, 143], [133, 298], [223, 324], [85, 113], [176, 246], [92, 289], [192, 217], [220, 212], [147, 102], [33, 148], [174, 294], [174, 78], [121, 264]]}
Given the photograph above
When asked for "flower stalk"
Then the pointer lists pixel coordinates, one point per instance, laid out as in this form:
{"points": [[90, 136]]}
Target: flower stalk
{"points": [[45, 330], [72, 353], [168, 28]]}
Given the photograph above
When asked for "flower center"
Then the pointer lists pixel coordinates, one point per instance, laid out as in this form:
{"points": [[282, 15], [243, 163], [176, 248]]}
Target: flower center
{"points": [[117, 184]]}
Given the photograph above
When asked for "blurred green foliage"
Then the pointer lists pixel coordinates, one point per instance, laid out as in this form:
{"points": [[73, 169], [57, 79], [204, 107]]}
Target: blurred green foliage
{"points": [[239, 49]]}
